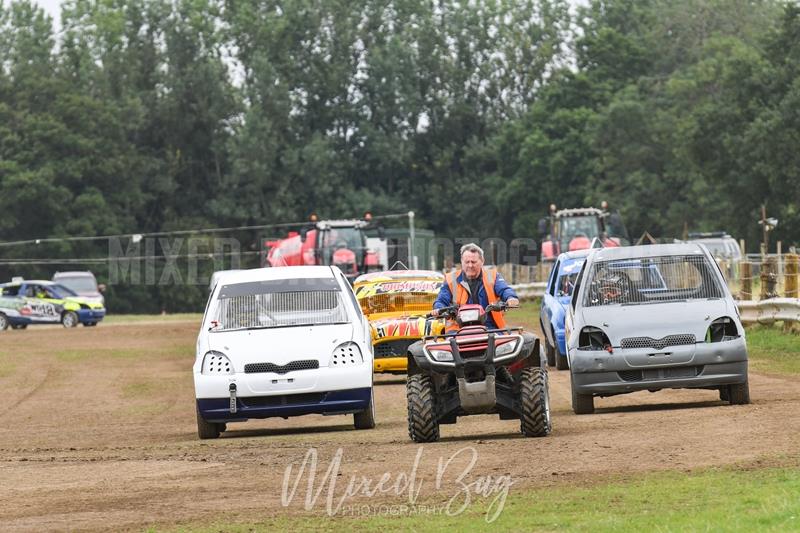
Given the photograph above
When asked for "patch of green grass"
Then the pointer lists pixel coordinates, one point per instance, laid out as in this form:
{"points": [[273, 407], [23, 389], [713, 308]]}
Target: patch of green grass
{"points": [[139, 389], [133, 319], [526, 316], [773, 350], [712, 500]]}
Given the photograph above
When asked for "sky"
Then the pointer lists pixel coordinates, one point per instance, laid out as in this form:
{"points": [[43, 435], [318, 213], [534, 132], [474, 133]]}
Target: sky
{"points": [[53, 8]]}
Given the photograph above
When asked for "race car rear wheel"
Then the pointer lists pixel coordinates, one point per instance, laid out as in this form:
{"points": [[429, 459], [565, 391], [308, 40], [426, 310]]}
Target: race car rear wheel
{"points": [[422, 424], [3, 322], [535, 420], [366, 418], [90, 324], [69, 319], [19, 326]]}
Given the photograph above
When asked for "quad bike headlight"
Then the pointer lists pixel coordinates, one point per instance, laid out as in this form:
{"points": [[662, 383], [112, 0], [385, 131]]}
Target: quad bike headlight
{"points": [[505, 349], [441, 355], [216, 364]]}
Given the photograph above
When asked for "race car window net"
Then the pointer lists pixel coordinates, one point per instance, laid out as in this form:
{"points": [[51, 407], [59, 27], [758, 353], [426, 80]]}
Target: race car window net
{"points": [[407, 302], [651, 280], [270, 305]]}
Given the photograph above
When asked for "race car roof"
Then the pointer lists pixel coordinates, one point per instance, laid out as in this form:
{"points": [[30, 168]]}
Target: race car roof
{"points": [[399, 274], [649, 250], [276, 273]]}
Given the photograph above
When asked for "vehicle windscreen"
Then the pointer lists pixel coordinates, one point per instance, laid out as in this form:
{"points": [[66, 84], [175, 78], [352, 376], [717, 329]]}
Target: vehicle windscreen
{"points": [[651, 280], [334, 239], [63, 291], [79, 284], [581, 226], [282, 303]]}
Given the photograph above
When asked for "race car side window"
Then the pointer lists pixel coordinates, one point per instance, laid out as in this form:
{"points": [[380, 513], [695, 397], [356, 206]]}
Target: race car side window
{"points": [[577, 288], [11, 291], [553, 277]]}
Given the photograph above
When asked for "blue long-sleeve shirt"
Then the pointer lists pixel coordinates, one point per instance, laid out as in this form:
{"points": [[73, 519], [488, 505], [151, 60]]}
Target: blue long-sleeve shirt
{"points": [[501, 289]]}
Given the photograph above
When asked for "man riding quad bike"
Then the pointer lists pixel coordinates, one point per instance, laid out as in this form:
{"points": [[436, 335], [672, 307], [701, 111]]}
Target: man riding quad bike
{"points": [[479, 366]]}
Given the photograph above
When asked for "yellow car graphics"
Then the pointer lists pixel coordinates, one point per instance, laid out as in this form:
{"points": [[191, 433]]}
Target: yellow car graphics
{"points": [[396, 302]]}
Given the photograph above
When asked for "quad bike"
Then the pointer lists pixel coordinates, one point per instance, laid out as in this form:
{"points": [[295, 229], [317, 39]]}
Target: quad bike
{"points": [[476, 370]]}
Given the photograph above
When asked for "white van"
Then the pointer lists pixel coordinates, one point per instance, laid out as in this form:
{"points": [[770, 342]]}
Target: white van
{"points": [[281, 342]]}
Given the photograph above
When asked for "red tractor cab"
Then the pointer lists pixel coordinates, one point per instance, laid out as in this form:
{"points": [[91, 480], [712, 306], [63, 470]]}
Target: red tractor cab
{"points": [[567, 230], [342, 243]]}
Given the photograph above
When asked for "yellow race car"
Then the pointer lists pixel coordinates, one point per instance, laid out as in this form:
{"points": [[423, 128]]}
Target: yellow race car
{"points": [[396, 302]]}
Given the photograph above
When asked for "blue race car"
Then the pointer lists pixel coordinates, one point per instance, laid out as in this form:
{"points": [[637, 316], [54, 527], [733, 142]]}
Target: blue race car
{"points": [[554, 305]]}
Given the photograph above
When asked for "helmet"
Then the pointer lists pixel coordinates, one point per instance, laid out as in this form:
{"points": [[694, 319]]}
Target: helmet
{"points": [[613, 287]]}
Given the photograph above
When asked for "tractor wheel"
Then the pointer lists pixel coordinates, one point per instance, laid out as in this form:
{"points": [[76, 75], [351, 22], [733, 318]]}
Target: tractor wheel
{"points": [[582, 404], [739, 394], [208, 430], [366, 418], [535, 399], [422, 424], [69, 319]]}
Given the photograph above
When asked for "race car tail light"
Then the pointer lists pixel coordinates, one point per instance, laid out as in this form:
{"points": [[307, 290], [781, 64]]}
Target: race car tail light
{"points": [[346, 354], [216, 363], [592, 338], [722, 329]]}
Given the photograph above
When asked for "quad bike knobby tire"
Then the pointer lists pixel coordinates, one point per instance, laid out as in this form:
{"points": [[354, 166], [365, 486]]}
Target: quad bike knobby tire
{"points": [[422, 424], [535, 421]]}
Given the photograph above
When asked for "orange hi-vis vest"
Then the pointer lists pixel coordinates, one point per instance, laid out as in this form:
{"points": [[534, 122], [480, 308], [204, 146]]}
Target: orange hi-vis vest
{"points": [[460, 296]]}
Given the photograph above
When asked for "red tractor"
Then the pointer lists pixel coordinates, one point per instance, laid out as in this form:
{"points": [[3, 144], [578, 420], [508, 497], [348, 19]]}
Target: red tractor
{"points": [[342, 243], [567, 230]]}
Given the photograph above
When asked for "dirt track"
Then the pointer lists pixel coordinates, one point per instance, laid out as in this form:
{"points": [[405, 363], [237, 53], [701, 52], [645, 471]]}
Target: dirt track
{"points": [[100, 434]]}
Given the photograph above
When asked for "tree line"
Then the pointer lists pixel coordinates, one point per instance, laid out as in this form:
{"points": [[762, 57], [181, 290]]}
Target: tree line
{"points": [[158, 115]]}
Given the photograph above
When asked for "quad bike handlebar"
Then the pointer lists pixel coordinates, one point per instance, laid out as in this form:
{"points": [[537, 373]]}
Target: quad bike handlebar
{"points": [[451, 310]]}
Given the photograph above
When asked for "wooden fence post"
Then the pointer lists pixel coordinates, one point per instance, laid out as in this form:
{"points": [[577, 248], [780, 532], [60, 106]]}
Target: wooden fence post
{"points": [[746, 280], [790, 283], [769, 279]]}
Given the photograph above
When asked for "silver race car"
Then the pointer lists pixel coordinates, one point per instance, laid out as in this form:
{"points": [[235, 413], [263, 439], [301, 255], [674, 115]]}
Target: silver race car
{"points": [[651, 318]]}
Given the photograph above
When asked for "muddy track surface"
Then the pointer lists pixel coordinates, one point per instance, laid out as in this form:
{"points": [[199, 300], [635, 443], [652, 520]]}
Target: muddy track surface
{"points": [[99, 433]]}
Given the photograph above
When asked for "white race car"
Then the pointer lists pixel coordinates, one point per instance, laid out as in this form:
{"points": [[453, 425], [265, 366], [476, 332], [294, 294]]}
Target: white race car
{"points": [[281, 342]]}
